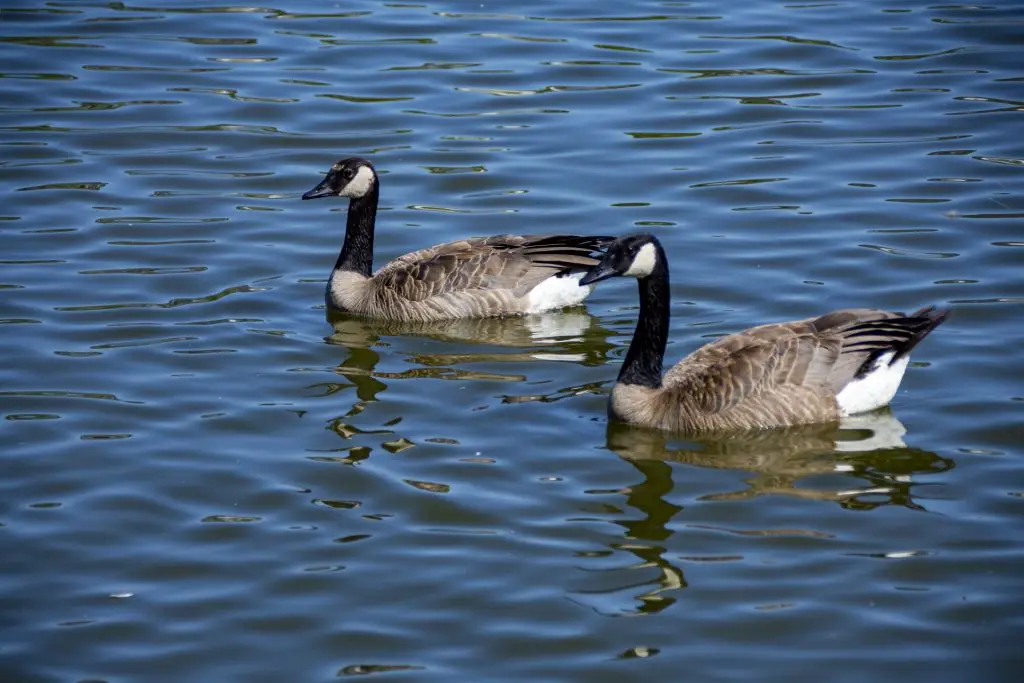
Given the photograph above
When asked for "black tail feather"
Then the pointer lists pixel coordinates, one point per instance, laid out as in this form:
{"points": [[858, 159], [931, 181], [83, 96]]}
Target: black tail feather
{"points": [[568, 253], [928, 318], [898, 336]]}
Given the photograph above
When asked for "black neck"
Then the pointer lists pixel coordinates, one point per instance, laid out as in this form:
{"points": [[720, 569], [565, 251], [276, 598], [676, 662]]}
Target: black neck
{"points": [[357, 251], [647, 350]]}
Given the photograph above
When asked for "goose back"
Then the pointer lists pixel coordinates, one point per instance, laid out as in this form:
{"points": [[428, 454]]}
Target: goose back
{"points": [[475, 277], [778, 374]]}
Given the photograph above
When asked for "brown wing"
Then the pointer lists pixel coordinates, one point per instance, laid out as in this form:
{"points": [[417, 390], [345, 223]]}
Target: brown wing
{"points": [[741, 367], [505, 262], [768, 359]]}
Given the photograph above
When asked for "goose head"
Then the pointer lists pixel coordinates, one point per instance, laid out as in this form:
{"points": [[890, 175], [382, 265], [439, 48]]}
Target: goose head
{"points": [[353, 178], [631, 256]]}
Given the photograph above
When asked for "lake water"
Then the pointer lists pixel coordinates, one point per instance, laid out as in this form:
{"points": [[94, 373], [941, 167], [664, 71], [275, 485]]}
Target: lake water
{"points": [[203, 478]]}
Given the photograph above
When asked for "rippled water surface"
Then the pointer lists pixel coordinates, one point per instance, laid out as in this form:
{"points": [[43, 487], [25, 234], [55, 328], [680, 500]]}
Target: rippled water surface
{"points": [[203, 478]]}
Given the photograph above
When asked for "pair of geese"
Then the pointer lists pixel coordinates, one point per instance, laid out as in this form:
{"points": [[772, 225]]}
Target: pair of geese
{"points": [[783, 374]]}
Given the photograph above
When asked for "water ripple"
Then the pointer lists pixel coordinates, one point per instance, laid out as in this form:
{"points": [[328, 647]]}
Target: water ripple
{"points": [[205, 479]]}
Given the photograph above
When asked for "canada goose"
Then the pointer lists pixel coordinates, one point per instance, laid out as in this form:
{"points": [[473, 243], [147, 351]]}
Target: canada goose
{"points": [[472, 278], [799, 372]]}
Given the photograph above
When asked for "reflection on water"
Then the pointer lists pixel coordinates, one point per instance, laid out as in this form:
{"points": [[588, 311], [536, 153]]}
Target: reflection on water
{"points": [[571, 336], [812, 463], [868, 447], [568, 327]]}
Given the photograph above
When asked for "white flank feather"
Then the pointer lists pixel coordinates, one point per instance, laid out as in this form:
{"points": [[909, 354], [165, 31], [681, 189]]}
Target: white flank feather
{"points": [[557, 292], [876, 388]]}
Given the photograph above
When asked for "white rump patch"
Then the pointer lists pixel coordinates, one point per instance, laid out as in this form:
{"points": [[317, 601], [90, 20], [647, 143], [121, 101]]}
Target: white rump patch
{"points": [[557, 292], [875, 389], [644, 262], [360, 185]]}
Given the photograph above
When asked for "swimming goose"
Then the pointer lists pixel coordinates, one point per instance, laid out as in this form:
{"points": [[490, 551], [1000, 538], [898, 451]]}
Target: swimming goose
{"points": [[477, 277], [799, 372]]}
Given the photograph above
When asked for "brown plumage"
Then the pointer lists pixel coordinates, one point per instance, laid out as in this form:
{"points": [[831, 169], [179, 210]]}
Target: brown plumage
{"points": [[470, 278], [775, 375]]}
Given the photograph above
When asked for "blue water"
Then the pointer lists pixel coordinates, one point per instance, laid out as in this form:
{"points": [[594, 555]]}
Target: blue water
{"points": [[205, 478]]}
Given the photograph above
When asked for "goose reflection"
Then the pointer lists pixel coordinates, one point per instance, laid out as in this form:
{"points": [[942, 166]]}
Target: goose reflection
{"points": [[572, 336], [443, 349], [869, 448]]}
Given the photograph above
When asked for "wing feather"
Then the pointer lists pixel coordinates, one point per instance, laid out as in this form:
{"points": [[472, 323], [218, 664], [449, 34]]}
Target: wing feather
{"points": [[820, 355], [516, 263]]}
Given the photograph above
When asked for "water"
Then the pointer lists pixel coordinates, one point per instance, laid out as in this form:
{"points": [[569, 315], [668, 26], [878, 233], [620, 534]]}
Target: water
{"points": [[204, 478]]}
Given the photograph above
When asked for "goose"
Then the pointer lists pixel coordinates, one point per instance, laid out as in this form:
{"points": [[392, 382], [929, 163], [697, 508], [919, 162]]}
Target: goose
{"points": [[820, 369], [477, 277]]}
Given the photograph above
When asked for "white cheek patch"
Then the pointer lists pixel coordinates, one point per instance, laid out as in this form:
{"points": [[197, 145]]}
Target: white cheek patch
{"points": [[644, 262], [360, 185]]}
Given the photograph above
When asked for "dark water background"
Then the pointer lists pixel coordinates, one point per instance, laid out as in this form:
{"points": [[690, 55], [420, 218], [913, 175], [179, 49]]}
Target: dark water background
{"points": [[202, 479]]}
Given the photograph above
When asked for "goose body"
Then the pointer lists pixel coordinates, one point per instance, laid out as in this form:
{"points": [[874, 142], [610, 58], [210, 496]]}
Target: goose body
{"points": [[782, 374], [472, 278]]}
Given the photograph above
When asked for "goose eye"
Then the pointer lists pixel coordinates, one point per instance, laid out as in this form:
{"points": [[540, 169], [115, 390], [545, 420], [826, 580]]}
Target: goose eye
{"points": [[349, 174]]}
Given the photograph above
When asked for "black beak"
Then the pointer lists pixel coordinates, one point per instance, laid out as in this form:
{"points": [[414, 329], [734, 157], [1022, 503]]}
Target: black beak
{"points": [[601, 271], [324, 189]]}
